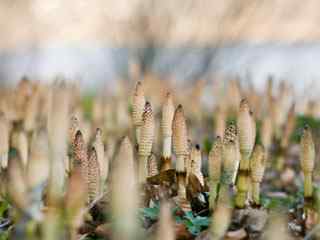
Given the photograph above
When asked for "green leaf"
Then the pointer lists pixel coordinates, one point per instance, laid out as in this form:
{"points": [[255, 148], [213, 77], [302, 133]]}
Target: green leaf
{"points": [[194, 230], [4, 205], [151, 213], [189, 215], [4, 235], [195, 224], [282, 202], [178, 219], [201, 221], [188, 223]]}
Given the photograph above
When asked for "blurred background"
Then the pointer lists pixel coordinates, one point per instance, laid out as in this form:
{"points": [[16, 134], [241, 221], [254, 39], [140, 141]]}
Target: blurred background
{"points": [[99, 41]]}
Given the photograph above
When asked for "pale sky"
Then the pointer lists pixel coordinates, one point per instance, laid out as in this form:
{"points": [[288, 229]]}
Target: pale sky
{"points": [[43, 38], [122, 22]]}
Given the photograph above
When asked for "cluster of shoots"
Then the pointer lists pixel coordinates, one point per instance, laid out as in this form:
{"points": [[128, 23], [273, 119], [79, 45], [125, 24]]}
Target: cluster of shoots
{"points": [[67, 172], [237, 160]]}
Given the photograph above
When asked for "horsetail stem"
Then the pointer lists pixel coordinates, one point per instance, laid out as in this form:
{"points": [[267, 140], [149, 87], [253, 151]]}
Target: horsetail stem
{"points": [[19, 140], [266, 134], [230, 155], [75, 200], [220, 121], [31, 114], [94, 180], [103, 163], [166, 225], [257, 166], [221, 215], [152, 165], [80, 157], [166, 127], [180, 147], [215, 163], [17, 180], [138, 104], [146, 141], [38, 163], [180, 138], [288, 129], [58, 125], [247, 135], [196, 162], [4, 140], [74, 126], [124, 209], [230, 162], [307, 160]]}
